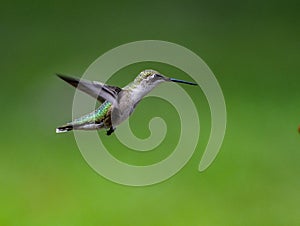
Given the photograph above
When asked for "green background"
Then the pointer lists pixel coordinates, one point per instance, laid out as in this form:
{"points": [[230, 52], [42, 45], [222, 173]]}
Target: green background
{"points": [[253, 48]]}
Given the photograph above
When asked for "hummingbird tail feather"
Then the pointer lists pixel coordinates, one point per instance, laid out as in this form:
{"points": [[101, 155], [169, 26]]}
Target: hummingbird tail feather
{"points": [[64, 129], [80, 126]]}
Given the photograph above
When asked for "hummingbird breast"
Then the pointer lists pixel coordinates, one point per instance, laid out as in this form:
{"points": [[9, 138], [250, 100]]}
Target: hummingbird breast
{"points": [[124, 108], [128, 99]]}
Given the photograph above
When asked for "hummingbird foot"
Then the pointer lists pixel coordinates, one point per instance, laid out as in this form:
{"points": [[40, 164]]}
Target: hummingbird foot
{"points": [[110, 131]]}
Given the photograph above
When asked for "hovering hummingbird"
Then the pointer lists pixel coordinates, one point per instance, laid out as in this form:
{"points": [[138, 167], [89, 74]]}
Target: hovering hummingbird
{"points": [[117, 103]]}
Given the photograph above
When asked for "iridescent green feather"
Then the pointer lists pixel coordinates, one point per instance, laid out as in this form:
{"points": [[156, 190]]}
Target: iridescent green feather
{"points": [[96, 116]]}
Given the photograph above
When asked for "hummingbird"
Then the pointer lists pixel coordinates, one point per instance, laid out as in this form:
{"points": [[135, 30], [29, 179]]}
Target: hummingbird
{"points": [[117, 103]]}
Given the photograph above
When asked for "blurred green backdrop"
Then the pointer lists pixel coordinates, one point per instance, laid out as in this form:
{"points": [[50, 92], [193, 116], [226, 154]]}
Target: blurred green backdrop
{"points": [[253, 47]]}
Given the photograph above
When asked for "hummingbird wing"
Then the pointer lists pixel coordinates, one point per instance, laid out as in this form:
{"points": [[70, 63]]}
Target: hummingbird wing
{"points": [[98, 90]]}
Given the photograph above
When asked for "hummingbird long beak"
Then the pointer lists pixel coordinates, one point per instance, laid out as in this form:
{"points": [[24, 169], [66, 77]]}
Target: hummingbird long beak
{"points": [[182, 81]]}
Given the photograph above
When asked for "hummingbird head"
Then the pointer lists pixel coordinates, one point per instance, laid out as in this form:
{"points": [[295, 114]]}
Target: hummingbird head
{"points": [[152, 78]]}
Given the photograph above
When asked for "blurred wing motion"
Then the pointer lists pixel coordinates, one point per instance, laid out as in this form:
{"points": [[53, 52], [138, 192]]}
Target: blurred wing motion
{"points": [[98, 90]]}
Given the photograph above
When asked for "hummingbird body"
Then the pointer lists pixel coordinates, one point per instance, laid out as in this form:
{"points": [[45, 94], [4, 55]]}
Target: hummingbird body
{"points": [[117, 104]]}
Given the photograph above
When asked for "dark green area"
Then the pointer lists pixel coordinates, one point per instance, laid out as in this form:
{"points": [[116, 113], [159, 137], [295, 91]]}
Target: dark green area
{"points": [[253, 49]]}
